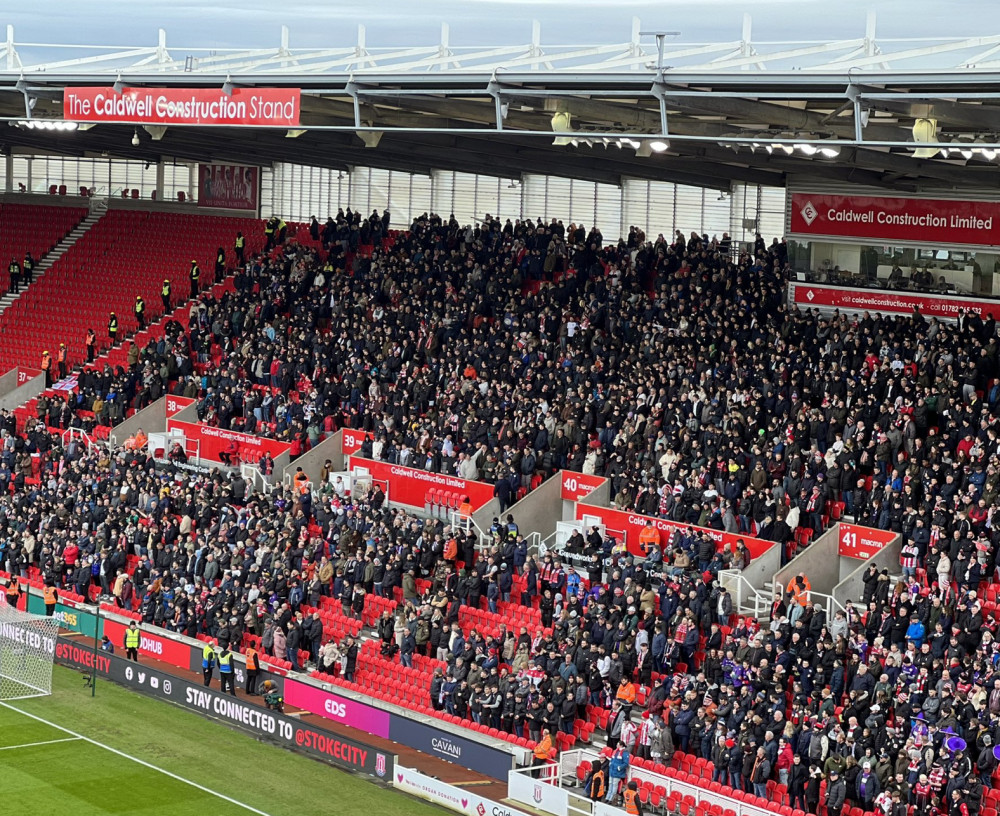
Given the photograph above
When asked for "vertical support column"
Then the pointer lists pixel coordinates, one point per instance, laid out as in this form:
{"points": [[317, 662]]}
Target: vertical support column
{"points": [[160, 176], [746, 40], [536, 42], [635, 47], [283, 47], [192, 190], [162, 55], [870, 49], [8, 161], [11, 54], [443, 51]]}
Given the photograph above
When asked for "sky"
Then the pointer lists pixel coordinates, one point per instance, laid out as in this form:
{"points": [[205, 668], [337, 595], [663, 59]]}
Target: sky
{"points": [[256, 23]]}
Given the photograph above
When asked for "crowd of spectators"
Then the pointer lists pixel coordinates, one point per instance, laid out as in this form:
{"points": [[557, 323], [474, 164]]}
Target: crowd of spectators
{"points": [[504, 352]]}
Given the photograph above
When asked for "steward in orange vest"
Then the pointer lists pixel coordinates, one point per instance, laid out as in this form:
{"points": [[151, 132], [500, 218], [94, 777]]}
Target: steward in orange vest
{"points": [[50, 595], [631, 796], [253, 670]]}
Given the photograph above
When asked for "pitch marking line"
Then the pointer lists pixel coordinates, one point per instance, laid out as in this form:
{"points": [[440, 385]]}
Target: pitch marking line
{"points": [[138, 761], [33, 744]]}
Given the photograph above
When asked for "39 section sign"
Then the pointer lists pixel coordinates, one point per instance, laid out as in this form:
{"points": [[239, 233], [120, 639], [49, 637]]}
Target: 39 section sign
{"points": [[862, 542]]}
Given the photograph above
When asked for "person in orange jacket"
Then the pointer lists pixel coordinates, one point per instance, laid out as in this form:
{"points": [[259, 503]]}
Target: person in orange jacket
{"points": [[799, 588], [626, 695], [47, 368], [542, 751], [648, 538], [630, 799]]}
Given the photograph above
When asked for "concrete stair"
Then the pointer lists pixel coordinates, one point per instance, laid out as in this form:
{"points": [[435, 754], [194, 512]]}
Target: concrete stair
{"points": [[97, 210]]}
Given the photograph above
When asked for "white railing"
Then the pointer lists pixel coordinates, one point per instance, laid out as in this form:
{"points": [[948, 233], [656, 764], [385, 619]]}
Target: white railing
{"points": [[73, 432], [467, 525], [819, 600], [747, 600], [257, 480]]}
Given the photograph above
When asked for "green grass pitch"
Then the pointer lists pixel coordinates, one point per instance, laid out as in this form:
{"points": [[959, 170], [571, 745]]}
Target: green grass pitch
{"points": [[45, 770]]}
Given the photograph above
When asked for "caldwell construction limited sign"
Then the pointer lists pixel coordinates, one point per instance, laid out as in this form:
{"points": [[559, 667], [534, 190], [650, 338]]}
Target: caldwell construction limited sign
{"points": [[905, 220]]}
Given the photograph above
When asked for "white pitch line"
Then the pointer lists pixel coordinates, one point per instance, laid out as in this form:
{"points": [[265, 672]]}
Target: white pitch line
{"points": [[142, 762], [33, 744]]}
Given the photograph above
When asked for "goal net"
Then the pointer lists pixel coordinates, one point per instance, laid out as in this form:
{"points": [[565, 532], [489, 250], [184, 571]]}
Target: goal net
{"points": [[27, 651]]}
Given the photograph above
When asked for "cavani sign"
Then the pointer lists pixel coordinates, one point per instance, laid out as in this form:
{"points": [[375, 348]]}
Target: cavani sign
{"points": [[905, 220], [261, 107]]}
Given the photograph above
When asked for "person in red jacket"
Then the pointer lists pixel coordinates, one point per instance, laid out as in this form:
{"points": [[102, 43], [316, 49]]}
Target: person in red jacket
{"points": [[231, 455]]}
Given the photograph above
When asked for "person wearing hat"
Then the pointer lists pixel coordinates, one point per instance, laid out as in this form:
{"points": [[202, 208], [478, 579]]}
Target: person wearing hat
{"points": [[836, 793], [61, 359], [113, 329], [165, 295], [194, 275], [47, 368], [139, 310], [14, 270], [597, 786], [868, 786]]}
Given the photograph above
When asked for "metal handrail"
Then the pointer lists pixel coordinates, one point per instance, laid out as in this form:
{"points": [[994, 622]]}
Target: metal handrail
{"points": [[827, 603], [747, 599]]}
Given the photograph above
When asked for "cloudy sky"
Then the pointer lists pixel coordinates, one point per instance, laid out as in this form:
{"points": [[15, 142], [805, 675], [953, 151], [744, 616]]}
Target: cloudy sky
{"points": [[255, 23]]}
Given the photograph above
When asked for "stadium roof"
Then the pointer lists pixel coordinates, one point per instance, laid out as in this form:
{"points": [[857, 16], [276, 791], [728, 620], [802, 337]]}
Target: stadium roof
{"points": [[853, 111]]}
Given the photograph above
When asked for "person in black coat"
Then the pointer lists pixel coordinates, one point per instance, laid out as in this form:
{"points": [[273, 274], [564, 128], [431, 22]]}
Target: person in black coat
{"points": [[350, 651], [798, 778], [501, 491], [292, 641], [812, 790]]}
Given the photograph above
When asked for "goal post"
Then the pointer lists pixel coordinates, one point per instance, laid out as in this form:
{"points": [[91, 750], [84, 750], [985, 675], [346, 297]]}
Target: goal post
{"points": [[27, 653]]}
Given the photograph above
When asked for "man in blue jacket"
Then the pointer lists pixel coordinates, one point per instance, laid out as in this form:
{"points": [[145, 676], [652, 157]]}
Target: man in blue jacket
{"points": [[916, 631], [617, 772]]}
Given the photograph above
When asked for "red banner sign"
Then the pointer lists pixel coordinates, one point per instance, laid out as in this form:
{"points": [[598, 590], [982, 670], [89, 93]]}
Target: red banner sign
{"points": [[920, 221], [213, 441], [175, 405], [351, 441], [25, 374], [632, 524], [231, 186], [807, 295], [151, 645], [409, 486], [260, 107], [576, 486], [860, 542]]}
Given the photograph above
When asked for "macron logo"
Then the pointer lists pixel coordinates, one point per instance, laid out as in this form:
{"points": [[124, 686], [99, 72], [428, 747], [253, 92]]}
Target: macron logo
{"points": [[809, 213]]}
